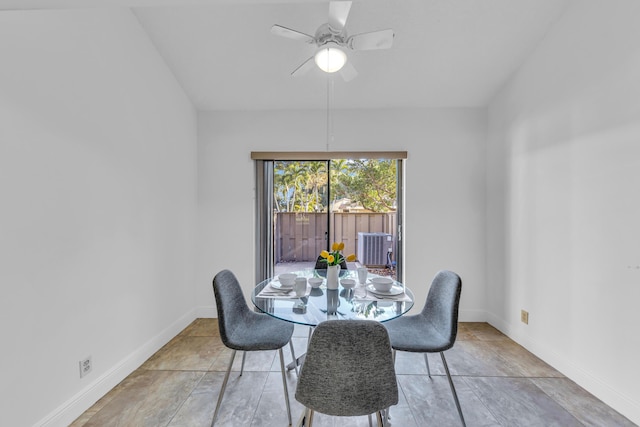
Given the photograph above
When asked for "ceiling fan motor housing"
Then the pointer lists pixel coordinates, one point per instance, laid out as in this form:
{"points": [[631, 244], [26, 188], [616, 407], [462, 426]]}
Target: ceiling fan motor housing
{"points": [[326, 34]]}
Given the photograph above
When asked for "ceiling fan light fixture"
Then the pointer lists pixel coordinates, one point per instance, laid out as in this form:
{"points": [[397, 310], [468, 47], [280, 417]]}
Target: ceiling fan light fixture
{"points": [[330, 58]]}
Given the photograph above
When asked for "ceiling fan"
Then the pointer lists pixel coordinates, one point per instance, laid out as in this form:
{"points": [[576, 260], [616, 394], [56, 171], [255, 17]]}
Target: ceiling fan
{"points": [[333, 41]]}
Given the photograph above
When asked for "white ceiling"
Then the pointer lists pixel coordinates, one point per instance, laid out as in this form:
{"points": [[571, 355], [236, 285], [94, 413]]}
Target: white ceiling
{"points": [[446, 53]]}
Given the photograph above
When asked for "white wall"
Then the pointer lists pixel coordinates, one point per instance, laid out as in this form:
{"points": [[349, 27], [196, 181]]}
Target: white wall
{"points": [[563, 207], [445, 209], [98, 208]]}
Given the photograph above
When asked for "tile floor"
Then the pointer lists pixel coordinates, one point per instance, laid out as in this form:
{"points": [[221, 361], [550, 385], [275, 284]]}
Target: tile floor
{"points": [[499, 383]]}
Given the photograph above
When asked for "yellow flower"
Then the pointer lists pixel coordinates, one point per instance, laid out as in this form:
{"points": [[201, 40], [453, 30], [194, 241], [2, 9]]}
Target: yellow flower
{"points": [[335, 257]]}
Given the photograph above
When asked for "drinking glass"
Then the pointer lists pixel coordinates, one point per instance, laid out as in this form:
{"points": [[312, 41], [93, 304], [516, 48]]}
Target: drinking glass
{"points": [[362, 275], [301, 286]]}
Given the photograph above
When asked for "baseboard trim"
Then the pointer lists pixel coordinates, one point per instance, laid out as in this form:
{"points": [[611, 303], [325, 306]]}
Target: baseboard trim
{"points": [[594, 385], [66, 413], [206, 312]]}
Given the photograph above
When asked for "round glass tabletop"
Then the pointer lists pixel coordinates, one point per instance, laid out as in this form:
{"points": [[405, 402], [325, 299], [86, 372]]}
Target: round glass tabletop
{"points": [[320, 304]]}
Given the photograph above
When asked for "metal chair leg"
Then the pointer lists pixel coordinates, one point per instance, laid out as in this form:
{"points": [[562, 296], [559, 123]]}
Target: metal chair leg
{"points": [[379, 420], [244, 355], [293, 357], [306, 419], [426, 361], [310, 417], [224, 386], [370, 422], [284, 384], [303, 418], [453, 389]]}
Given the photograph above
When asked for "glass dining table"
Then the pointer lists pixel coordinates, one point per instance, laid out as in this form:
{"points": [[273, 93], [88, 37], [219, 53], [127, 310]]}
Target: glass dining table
{"points": [[320, 304]]}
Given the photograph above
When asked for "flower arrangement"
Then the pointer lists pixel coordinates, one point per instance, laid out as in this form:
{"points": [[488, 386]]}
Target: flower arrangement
{"points": [[335, 257]]}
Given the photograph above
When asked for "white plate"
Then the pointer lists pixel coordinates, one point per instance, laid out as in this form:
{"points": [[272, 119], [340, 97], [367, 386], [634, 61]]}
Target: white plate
{"points": [[278, 285], [395, 290]]}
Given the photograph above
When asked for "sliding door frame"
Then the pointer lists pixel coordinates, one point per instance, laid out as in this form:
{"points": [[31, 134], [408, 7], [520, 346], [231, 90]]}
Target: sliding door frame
{"points": [[264, 165], [264, 220]]}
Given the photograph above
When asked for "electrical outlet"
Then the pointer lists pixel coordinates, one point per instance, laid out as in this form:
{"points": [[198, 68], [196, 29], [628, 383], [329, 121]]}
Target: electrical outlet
{"points": [[524, 316], [85, 366]]}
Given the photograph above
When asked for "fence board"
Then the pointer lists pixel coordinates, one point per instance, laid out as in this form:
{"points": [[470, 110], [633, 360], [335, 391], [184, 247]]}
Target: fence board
{"points": [[301, 236]]}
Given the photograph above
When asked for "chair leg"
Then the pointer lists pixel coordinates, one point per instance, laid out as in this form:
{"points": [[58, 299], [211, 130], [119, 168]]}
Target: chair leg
{"points": [[284, 384], [306, 419], [302, 421], [310, 417], [244, 355], [426, 361], [453, 389], [379, 420], [224, 385], [370, 422], [293, 357]]}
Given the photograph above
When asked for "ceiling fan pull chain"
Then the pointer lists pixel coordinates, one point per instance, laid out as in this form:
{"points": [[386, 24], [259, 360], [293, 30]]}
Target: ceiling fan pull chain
{"points": [[330, 136]]}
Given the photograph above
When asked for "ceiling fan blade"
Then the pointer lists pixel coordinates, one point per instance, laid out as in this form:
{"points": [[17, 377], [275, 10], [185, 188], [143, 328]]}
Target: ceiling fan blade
{"points": [[303, 68], [279, 30], [338, 13], [348, 72], [382, 39]]}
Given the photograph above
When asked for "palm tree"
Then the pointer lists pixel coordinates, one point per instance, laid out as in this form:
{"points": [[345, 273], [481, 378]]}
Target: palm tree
{"points": [[316, 178], [339, 173], [286, 178]]}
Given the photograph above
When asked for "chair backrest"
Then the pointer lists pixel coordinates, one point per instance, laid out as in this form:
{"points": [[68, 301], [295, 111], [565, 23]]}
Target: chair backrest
{"points": [[348, 369], [441, 308], [230, 302]]}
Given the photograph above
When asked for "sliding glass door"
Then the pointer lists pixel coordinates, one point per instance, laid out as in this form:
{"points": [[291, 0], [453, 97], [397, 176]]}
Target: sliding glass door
{"points": [[304, 206], [300, 214]]}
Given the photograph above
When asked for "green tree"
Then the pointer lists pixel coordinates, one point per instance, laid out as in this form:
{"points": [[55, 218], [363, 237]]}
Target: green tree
{"points": [[300, 186], [372, 183], [316, 178], [340, 177], [286, 182]]}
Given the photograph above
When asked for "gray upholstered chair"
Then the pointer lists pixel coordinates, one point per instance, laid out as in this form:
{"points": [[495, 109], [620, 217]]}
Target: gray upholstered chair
{"points": [[434, 329], [348, 371], [242, 329]]}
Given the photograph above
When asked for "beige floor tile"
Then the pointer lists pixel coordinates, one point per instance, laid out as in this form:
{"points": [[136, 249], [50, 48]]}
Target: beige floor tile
{"points": [[476, 358], [432, 403], [499, 383], [519, 402], [581, 404], [526, 362], [186, 353], [484, 331], [202, 328], [147, 398]]}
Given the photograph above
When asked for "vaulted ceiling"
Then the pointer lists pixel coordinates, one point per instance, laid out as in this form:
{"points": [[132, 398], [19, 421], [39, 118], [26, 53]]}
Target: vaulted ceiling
{"points": [[446, 53]]}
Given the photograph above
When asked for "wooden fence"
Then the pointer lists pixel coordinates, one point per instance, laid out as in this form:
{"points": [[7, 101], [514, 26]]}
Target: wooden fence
{"points": [[301, 236]]}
